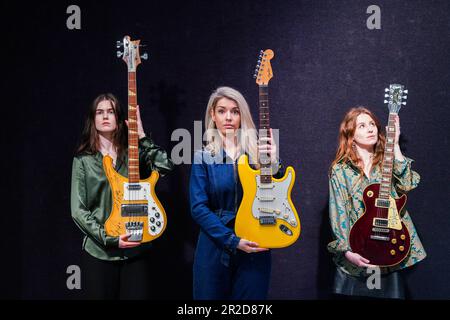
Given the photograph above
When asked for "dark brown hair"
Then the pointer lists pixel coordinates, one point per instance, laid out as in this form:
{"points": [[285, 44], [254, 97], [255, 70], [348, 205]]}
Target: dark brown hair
{"points": [[89, 137]]}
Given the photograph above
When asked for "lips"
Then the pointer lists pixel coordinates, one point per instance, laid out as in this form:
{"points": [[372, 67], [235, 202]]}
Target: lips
{"points": [[106, 123]]}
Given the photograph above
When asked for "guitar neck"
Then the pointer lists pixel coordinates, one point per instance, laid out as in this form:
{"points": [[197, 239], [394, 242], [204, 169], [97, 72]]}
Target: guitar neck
{"points": [[388, 159], [264, 131], [133, 138]]}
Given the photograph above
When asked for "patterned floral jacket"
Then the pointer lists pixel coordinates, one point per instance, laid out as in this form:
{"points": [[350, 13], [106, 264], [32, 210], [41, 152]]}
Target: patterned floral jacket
{"points": [[346, 206]]}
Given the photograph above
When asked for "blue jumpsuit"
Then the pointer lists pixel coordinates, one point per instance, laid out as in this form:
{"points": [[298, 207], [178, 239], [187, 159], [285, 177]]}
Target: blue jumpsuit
{"points": [[221, 271]]}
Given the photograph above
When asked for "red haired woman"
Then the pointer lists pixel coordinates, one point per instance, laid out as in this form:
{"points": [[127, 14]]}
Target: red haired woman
{"points": [[356, 165]]}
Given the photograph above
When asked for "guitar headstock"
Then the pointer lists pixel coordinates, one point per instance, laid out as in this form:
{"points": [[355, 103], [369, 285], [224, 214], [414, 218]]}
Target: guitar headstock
{"points": [[396, 93], [130, 53], [263, 71]]}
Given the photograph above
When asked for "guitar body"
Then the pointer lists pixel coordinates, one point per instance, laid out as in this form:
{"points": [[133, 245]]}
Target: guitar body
{"points": [[277, 225], [371, 236], [136, 209]]}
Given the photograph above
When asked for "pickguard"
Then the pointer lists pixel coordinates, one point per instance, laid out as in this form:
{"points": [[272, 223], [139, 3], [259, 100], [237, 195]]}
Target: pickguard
{"points": [[142, 192], [273, 200]]}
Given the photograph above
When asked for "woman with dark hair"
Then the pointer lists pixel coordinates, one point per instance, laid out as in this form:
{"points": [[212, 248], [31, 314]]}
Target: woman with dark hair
{"points": [[113, 267], [356, 165]]}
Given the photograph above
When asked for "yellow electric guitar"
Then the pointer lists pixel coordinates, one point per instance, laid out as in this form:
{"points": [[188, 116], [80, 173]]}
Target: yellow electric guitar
{"points": [[136, 209], [266, 214]]}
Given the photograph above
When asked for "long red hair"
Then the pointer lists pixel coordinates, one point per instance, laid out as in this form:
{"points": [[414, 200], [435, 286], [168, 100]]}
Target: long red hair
{"points": [[345, 151]]}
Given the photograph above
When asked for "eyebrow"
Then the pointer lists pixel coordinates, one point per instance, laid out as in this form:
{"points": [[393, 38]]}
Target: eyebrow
{"points": [[223, 107]]}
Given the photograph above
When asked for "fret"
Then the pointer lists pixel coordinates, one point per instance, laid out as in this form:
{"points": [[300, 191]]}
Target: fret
{"points": [[133, 150]]}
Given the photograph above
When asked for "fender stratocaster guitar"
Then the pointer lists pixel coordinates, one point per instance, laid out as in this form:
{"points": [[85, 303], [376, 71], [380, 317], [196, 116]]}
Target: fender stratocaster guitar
{"points": [[379, 234], [266, 214], [136, 209]]}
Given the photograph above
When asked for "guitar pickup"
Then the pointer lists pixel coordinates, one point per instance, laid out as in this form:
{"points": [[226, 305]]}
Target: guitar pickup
{"points": [[267, 220], [134, 187], [382, 203], [380, 222], [267, 210], [267, 199], [134, 210]]}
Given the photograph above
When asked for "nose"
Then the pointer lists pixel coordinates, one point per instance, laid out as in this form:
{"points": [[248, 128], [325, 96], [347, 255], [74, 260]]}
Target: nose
{"points": [[228, 117], [105, 115]]}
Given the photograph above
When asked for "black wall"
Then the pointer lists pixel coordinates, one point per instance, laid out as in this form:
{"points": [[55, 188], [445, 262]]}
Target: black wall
{"points": [[326, 61]]}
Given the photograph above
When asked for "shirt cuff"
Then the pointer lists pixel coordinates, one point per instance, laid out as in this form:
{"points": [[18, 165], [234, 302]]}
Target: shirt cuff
{"points": [[112, 242]]}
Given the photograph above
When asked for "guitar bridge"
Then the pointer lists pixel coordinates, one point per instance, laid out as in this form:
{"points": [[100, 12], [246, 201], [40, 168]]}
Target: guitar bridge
{"points": [[382, 230], [381, 238], [135, 230], [267, 220]]}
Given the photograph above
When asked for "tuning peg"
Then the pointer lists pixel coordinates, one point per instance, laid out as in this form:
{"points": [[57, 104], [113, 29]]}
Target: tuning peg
{"points": [[119, 44], [145, 56], [403, 103], [119, 54], [386, 90], [385, 101], [405, 91], [405, 97], [386, 95]]}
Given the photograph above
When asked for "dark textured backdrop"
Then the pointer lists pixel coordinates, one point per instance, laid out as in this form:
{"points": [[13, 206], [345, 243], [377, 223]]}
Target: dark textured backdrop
{"points": [[326, 61]]}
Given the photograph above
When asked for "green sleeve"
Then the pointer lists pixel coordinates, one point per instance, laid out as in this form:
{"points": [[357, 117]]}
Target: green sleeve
{"points": [[338, 214], [153, 157], [81, 214], [405, 179]]}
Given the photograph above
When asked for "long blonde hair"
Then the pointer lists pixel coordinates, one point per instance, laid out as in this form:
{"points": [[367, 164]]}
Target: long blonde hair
{"points": [[247, 135], [345, 150]]}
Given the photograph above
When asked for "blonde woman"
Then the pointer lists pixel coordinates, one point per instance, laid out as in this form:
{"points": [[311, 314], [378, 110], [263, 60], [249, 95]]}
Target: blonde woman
{"points": [[226, 266]]}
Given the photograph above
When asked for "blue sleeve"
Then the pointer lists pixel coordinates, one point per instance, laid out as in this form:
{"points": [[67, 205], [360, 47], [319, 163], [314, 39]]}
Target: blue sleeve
{"points": [[209, 222]]}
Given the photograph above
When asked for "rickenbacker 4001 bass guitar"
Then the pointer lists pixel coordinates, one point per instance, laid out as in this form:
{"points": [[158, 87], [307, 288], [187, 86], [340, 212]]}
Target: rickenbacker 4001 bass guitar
{"points": [[379, 234], [266, 214], [136, 209]]}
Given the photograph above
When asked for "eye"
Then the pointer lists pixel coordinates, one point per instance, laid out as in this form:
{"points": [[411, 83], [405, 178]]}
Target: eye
{"points": [[236, 111]]}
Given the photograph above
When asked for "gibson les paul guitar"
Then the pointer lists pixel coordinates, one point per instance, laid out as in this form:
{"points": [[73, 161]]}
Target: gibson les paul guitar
{"points": [[379, 234], [136, 209], [266, 214]]}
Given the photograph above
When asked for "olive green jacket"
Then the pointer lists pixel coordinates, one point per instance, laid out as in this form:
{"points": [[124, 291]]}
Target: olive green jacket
{"points": [[91, 200]]}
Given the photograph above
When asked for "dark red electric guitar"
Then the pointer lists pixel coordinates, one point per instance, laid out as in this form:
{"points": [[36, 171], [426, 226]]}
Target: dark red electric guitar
{"points": [[380, 234]]}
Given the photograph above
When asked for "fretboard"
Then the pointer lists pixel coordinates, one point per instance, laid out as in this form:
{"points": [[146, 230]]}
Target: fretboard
{"points": [[133, 138], [388, 159], [264, 131]]}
